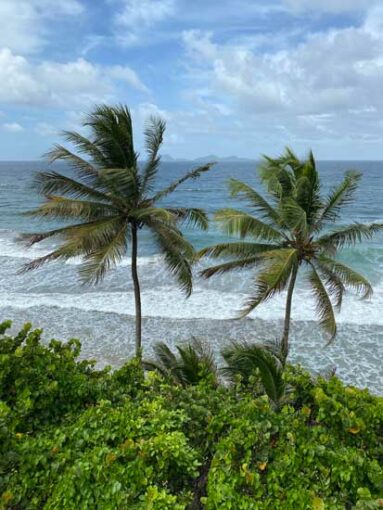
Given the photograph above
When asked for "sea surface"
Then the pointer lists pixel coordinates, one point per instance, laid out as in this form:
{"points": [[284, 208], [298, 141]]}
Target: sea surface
{"points": [[102, 317]]}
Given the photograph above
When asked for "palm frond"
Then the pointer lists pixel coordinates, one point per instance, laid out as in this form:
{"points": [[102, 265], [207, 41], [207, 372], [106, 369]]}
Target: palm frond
{"points": [[307, 189], [83, 146], [51, 183], [273, 278], [254, 199], [193, 174], [100, 260], [113, 132], [294, 217], [350, 278], [85, 169], [177, 251], [333, 283], [349, 235], [338, 197], [143, 214], [66, 251], [239, 223], [154, 133], [66, 208], [193, 363], [241, 249], [193, 216], [245, 359], [324, 306], [232, 265]]}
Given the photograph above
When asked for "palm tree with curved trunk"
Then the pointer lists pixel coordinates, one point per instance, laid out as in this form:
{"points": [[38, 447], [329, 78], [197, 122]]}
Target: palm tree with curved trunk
{"points": [[110, 200], [291, 231]]}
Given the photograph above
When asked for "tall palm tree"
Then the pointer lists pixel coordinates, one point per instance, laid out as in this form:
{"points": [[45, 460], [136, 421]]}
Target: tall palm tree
{"points": [[291, 231], [110, 199]]}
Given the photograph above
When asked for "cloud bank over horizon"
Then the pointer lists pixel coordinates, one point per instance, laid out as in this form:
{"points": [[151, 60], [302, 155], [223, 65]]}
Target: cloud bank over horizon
{"points": [[240, 78]]}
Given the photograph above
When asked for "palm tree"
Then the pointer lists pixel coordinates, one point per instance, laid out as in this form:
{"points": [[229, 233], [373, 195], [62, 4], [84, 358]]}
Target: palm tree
{"points": [[192, 363], [110, 199], [245, 359], [291, 231]]}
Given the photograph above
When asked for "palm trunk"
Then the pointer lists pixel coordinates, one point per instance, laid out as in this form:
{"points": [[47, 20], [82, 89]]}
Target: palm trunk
{"points": [[286, 327], [137, 293]]}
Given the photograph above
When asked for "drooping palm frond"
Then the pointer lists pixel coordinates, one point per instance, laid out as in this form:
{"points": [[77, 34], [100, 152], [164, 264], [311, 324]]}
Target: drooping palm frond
{"points": [[192, 216], [350, 278], [335, 285], [273, 278], [177, 251], [324, 306], [246, 359], [193, 363], [97, 262], [193, 174]]}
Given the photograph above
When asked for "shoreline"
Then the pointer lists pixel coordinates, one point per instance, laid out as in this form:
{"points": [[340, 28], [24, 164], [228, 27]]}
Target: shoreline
{"points": [[108, 337]]}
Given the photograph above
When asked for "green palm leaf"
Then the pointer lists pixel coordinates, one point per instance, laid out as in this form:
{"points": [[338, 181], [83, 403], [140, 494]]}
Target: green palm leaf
{"points": [[154, 133], [244, 359], [340, 196], [193, 174], [349, 235], [239, 223], [273, 278], [254, 199], [324, 306], [177, 251], [348, 276]]}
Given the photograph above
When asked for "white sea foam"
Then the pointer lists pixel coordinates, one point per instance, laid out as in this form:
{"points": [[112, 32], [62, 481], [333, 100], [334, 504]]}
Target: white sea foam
{"points": [[169, 302]]}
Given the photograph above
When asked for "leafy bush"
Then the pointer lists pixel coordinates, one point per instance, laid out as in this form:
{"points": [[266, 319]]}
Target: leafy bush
{"points": [[129, 440]]}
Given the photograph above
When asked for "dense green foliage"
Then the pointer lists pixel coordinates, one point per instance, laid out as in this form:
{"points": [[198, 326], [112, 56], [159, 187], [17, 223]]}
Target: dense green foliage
{"points": [[73, 437]]}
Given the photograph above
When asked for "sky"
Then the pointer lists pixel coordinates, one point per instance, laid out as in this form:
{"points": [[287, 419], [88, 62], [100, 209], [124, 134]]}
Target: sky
{"points": [[243, 77]]}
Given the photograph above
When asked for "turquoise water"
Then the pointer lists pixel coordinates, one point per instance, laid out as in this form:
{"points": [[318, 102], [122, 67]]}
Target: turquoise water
{"points": [[102, 316]]}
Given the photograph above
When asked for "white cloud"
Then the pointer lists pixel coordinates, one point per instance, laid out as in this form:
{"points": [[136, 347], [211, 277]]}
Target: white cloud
{"points": [[12, 127], [76, 83], [22, 22], [137, 17], [128, 76], [329, 72]]}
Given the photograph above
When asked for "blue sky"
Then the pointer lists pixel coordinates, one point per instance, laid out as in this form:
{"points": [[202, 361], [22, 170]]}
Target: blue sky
{"points": [[242, 77]]}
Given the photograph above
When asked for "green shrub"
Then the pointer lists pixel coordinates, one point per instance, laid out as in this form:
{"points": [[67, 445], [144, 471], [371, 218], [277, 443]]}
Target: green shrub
{"points": [[128, 440]]}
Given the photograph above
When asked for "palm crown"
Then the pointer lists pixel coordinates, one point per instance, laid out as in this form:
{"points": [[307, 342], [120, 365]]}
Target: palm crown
{"points": [[289, 231], [111, 199]]}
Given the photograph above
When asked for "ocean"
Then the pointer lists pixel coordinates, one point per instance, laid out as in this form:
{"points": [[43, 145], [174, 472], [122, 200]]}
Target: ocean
{"points": [[52, 297]]}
